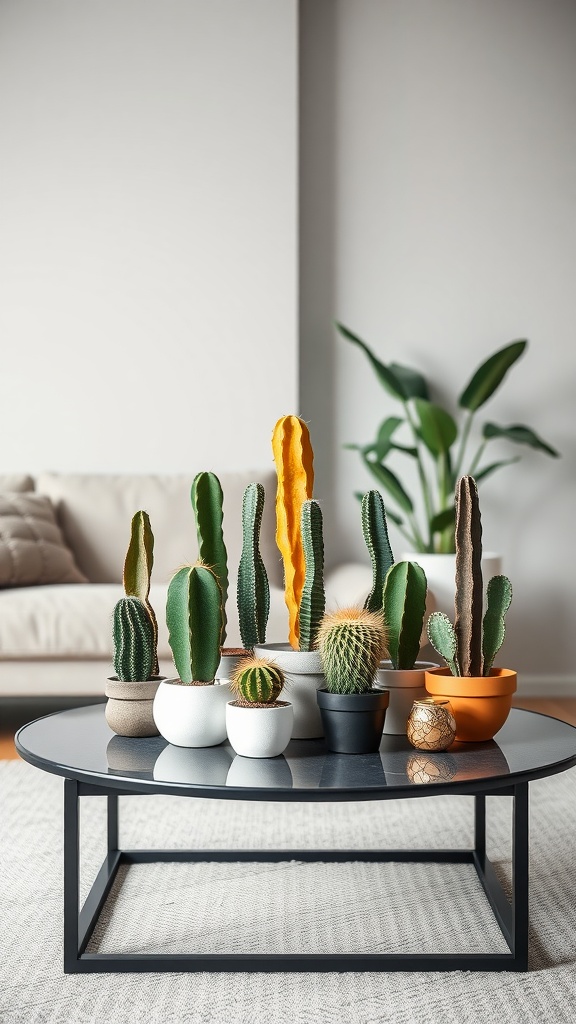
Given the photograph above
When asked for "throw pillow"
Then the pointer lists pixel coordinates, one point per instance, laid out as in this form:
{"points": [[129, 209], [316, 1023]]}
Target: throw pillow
{"points": [[32, 548]]}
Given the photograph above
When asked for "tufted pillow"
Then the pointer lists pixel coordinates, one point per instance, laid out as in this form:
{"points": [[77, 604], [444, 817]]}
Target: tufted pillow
{"points": [[32, 548]]}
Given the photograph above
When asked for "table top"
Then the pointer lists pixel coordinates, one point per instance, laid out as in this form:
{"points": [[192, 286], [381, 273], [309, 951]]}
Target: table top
{"points": [[78, 744]]}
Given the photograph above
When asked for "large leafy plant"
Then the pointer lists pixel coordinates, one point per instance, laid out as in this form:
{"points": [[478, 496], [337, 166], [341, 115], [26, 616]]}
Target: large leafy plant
{"points": [[437, 443]]}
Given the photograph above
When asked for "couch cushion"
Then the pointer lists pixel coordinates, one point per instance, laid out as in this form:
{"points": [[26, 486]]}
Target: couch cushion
{"points": [[16, 482], [95, 510], [32, 548]]}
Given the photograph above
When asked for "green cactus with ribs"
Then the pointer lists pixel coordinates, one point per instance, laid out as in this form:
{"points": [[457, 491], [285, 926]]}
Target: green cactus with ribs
{"points": [[375, 530], [194, 612], [207, 504], [253, 595], [313, 599], [352, 642], [138, 570], [257, 681], [134, 641]]}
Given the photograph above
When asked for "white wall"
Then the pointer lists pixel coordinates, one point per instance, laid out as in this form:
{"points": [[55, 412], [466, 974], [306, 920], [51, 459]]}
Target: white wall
{"points": [[438, 221], [148, 219]]}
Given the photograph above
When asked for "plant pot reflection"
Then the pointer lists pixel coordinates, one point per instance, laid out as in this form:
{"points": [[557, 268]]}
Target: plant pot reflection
{"points": [[131, 755], [200, 766], [340, 771], [260, 772]]}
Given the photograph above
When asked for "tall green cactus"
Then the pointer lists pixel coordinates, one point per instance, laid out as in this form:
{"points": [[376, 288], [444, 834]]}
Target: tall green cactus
{"points": [[194, 618], [442, 636], [313, 600], [253, 593], [138, 569], [498, 599], [207, 499], [468, 603], [258, 681], [375, 530], [134, 645], [352, 642], [404, 604]]}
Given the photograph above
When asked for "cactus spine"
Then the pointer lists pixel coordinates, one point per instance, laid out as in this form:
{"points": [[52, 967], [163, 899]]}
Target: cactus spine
{"points": [[404, 604], [134, 646], [253, 587], [138, 570], [375, 530], [293, 457], [498, 599], [258, 681], [443, 638], [313, 600], [468, 603], [352, 643], [207, 498], [194, 618]]}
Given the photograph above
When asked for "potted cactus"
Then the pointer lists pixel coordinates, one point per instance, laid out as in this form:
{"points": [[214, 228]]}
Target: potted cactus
{"points": [[257, 722], [135, 635], [352, 642], [190, 710], [299, 538], [253, 595], [480, 695]]}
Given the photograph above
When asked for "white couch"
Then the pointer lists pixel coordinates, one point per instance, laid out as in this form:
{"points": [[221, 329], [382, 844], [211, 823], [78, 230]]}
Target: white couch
{"points": [[56, 639]]}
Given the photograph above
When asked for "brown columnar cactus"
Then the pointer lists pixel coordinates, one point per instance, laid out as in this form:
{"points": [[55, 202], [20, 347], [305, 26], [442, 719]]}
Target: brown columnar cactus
{"points": [[468, 602]]}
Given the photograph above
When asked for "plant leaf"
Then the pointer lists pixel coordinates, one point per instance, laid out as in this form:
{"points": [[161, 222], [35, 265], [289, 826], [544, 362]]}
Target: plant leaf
{"points": [[405, 448], [490, 375], [385, 431], [438, 429], [520, 434], [391, 483], [488, 470], [385, 375], [414, 384], [442, 520]]}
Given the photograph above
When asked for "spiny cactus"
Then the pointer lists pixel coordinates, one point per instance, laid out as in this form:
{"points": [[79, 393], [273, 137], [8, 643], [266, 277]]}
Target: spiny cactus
{"points": [[258, 681], [404, 605], [468, 603], [253, 587], [293, 457], [134, 646], [138, 570], [375, 530], [352, 642], [498, 600], [194, 618], [442, 636], [313, 600], [207, 498]]}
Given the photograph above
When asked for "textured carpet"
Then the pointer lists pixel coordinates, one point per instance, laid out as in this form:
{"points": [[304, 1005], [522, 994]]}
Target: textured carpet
{"points": [[283, 907]]}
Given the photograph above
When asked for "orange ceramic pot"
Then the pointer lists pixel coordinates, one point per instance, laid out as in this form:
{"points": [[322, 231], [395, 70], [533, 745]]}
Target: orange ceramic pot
{"points": [[481, 704]]}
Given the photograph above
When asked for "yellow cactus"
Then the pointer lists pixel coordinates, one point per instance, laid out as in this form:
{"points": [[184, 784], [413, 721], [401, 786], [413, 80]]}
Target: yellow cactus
{"points": [[293, 457]]}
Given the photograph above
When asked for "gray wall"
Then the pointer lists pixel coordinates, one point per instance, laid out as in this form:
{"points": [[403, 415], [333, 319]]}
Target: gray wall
{"points": [[438, 219]]}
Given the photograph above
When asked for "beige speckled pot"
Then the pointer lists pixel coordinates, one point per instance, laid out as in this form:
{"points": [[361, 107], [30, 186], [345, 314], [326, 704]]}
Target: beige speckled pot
{"points": [[129, 706]]}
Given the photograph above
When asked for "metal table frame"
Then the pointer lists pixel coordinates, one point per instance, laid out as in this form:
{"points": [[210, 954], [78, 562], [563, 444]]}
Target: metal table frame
{"points": [[79, 924]]}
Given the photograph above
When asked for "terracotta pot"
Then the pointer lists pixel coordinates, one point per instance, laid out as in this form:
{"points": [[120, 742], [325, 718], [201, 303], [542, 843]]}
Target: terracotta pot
{"points": [[481, 704]]}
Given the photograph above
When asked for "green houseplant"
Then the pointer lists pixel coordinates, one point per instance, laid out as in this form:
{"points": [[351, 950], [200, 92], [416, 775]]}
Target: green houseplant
{"points": [[135, 636], [257, 722], [429, 435], [190, 710], [480, 694]]}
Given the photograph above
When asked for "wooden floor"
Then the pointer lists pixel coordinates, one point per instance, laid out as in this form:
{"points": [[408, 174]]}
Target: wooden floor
{"points": [[13, 715]]}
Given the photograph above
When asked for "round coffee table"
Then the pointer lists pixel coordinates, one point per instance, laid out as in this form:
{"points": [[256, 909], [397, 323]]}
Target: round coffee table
{"points": [[79, 746]]}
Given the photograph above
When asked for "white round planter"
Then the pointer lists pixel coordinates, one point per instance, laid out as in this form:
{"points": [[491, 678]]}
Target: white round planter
{"points": [[229, 659], [304, 675], [191, 716], [440, 572], [405, 686], [259, 732], [203, 767]]}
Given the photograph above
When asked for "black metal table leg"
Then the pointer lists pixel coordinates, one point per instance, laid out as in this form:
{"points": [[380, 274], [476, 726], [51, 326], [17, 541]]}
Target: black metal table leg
{"points": [[520, 875], [71, 874], [112, 811]]}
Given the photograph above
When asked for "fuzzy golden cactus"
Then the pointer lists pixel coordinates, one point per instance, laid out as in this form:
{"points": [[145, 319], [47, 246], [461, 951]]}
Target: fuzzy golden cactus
{"points": [[352, 642]]}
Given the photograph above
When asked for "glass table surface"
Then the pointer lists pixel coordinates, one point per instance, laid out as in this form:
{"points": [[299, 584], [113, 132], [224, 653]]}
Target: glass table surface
{"points": [[78, 744]]}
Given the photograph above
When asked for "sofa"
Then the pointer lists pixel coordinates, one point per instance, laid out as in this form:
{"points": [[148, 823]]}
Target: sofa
{"points": [[63, 539]]}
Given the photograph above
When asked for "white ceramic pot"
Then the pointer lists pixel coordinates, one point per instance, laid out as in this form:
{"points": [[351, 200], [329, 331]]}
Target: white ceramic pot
{"points": [[203, 767], [440, 572], [191, 716], [304, 675], [405, 686], [259, 732], [229, 659]]}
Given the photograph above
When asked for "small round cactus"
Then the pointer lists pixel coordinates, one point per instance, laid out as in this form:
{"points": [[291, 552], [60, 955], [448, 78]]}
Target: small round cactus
{"points": [[258, 681], [352, 643]]}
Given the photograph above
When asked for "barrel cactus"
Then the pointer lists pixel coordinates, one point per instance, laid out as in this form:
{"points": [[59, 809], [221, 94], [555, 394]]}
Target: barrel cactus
{"points": [[207, 501], [404, 606], [352, 642], [194, 618], [138, 570], [375, 530], [258, 681], [134, 641], [253, 587]]}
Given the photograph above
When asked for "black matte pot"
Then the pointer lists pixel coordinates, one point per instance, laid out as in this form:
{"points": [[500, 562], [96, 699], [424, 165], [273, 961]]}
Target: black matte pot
{"points": [[353, 722]]}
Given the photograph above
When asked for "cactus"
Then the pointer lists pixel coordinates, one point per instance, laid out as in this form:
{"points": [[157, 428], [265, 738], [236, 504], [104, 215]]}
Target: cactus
{"points": [[138, 569], [206, 496], [498, 599], [313, 600], [258, 681], [404, 605], [194, 617], [375, 529], [293, 457], [253, 588], [134, 646], [468, 603], [352, 643], [442, 636]]}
